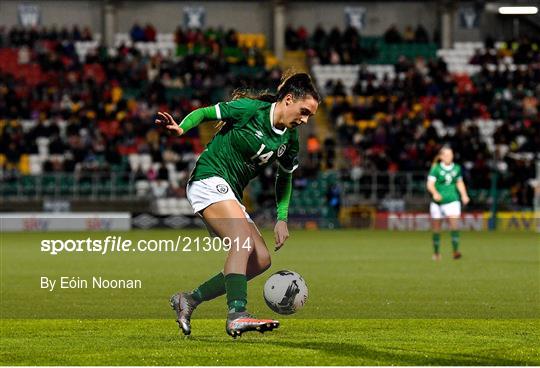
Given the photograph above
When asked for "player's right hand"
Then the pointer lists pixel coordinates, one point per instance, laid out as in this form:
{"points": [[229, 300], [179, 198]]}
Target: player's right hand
{"points": [[437, 197], [168, 120], [281, 233]]}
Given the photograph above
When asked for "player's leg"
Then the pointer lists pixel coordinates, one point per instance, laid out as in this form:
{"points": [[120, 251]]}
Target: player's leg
{"points": [[260, 259], [203, 194], [436, 216], [258, 262], [186, 302], [453, 211], [228, 220]]}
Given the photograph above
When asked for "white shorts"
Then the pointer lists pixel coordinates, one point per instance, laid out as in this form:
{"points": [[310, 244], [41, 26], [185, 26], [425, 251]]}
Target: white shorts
{"points": [[202, 193], [438, 211]]}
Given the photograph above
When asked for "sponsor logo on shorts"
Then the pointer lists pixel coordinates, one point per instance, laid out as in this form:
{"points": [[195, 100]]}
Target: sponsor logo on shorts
{"points": [[281, 150], [222, 188]]}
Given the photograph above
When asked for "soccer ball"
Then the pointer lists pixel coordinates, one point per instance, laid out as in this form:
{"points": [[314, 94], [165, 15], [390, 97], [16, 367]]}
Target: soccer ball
{"points": [[285, 292]]}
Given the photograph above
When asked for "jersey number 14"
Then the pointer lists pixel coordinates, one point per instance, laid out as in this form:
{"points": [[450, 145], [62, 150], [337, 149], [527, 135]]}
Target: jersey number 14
{"points": [[263, 157]]}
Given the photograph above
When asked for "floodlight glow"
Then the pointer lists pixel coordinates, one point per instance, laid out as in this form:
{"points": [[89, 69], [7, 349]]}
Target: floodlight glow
{"points": [[518, 10]]}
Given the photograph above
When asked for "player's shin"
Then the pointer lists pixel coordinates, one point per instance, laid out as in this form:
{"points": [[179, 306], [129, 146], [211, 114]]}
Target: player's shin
{"points": [[236, 287], [454, 234], [210, 289], [436, 237]]}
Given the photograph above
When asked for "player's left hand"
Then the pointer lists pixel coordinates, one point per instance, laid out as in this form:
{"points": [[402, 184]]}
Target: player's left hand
{"points": [[465, 200], [281, 233]]}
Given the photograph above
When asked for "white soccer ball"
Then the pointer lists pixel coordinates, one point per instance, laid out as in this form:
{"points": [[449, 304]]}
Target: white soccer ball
{"points": [[285, 292]]}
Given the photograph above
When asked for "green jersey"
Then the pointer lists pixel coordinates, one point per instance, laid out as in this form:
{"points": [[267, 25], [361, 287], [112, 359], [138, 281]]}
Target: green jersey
{"points": [[246, 144], [446, 178]]}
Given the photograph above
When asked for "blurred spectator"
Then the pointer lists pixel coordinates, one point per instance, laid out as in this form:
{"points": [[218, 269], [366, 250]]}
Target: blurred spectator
{"points": [[291, 38], [392, 35], [319, 35], [339, 89], [314, 148], [302, 35], [421, 34], [137, 33], [2, 36], [333, 198], [335, 47], [408, 34], [149, 33]]}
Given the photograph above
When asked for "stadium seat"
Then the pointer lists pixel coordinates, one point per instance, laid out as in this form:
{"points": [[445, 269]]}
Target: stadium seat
{"points": [[142, 188]]}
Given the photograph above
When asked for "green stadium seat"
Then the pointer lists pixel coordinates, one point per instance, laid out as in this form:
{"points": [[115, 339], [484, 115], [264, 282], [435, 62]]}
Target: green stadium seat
{"points": [[67, 185], [104, 188], [49, 184], [9, 188], [28, 185], [84, 187]]}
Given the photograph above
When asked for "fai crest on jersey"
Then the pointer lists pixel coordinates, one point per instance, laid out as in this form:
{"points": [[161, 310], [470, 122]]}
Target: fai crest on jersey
{"points": [[222, 188], [281, 150]]}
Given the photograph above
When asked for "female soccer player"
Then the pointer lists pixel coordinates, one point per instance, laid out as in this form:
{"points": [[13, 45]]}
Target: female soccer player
{"points": [[255, 132], [443, 183]]}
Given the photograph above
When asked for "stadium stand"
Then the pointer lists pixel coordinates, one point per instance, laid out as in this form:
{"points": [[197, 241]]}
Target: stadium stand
{"points": [[78, 117], [391, 117]]}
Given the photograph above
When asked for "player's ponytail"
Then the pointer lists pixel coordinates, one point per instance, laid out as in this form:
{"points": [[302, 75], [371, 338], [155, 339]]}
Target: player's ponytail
{"points": [[299, 85], [264, 95]]}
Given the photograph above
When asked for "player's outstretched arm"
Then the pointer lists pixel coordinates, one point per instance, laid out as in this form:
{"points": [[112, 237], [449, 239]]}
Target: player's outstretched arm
{"points": [[463, 192], [193, 119], [430, 185], [283, 197]]}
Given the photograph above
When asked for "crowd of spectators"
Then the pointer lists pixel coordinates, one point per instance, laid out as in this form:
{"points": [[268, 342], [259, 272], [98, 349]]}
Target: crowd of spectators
{"points": [[333, 47], [140, 34], [97, 110], [22, 36], [210, 37], [399, 124], [525, 50], [345, 47], [418, 35]]}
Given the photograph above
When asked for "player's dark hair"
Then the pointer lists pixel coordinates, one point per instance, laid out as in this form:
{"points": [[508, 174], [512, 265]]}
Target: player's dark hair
{"points": [[299, 85], [437, 158]]}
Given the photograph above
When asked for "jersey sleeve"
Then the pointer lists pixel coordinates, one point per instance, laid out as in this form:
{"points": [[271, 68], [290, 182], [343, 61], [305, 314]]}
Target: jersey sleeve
{"points": [[236, 110], [432, 176], [288, 162], [459, 176]]}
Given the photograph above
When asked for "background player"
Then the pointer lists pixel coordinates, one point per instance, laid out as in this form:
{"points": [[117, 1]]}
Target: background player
{"points": [[446, 186]]}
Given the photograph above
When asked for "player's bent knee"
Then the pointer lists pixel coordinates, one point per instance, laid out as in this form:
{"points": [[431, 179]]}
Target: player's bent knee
{"points": [[259, 264], [265, 263]]}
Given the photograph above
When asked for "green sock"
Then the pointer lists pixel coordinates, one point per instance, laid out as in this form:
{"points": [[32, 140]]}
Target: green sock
{"points": [[236, 286], [455, 240], [210, 289], [436, 242]]}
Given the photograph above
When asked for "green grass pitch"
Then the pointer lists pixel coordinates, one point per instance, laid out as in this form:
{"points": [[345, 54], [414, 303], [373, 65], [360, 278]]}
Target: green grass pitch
{"points": [[376, 298]]}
